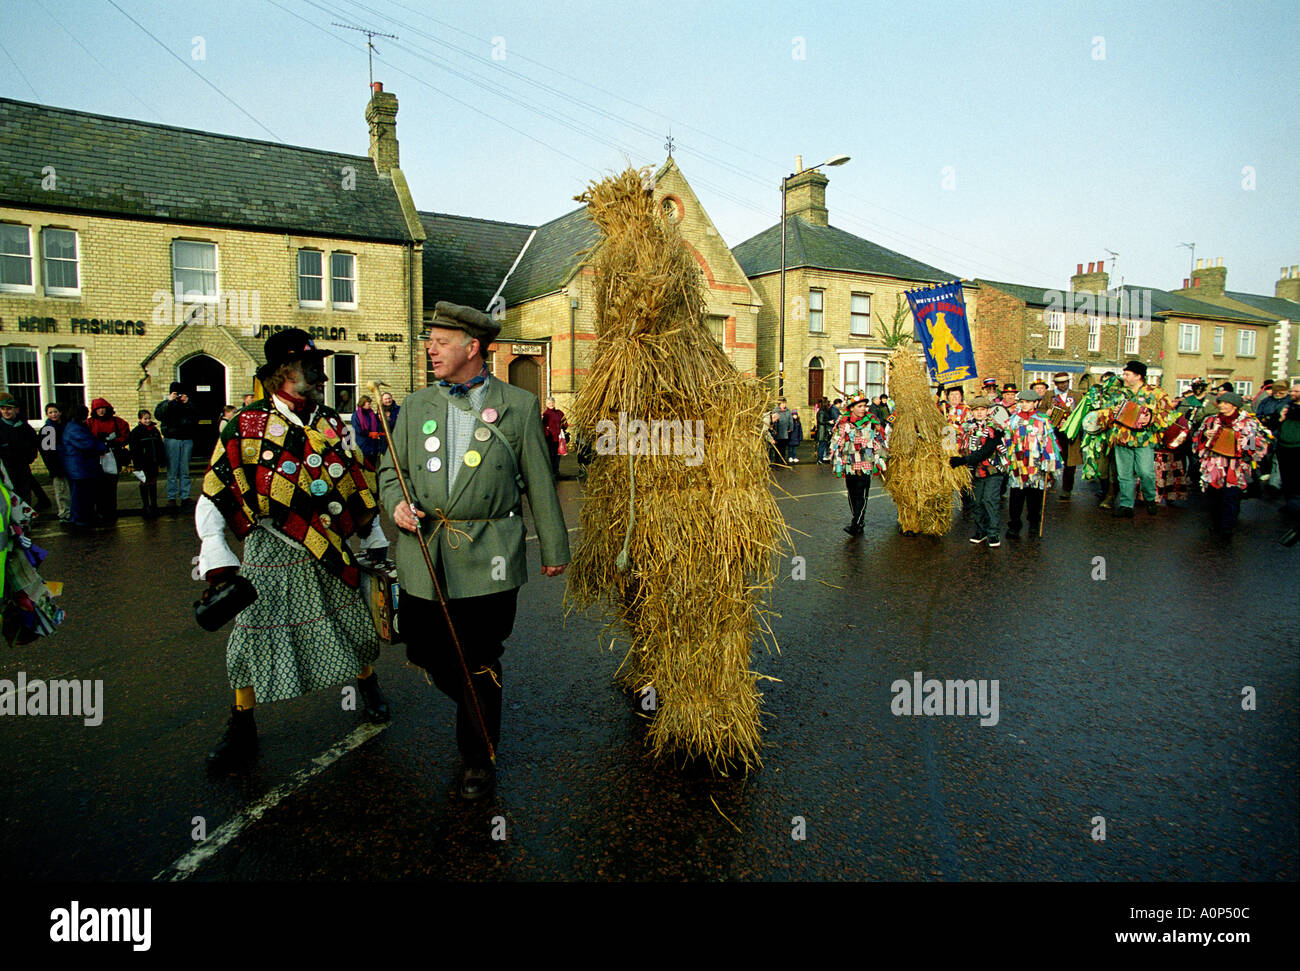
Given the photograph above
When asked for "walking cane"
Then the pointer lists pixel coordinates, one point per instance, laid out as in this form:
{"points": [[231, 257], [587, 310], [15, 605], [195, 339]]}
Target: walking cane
{"points": [[1042, 513], [470, 693]]}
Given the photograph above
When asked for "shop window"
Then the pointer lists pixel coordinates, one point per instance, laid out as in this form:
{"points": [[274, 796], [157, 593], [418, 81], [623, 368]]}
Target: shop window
{"points": [[62, 266], [23, 380], [16, 258]]}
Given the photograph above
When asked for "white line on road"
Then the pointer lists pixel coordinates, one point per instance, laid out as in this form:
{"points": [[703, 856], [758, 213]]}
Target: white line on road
{"points": [[188, 864]]}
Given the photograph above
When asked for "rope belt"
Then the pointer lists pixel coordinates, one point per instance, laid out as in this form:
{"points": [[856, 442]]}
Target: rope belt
{"points": [[441, 521]]}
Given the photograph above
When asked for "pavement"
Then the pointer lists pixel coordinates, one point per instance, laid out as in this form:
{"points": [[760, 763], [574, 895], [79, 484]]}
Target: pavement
{"points": [[1147, 690]]}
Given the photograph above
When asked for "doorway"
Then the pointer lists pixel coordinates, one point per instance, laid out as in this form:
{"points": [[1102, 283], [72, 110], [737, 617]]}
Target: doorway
{"points": [[524, 373], [206, 378]]}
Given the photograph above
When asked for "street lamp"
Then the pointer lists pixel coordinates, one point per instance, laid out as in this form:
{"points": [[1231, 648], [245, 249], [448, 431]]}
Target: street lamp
{"points": [[780, 373]]}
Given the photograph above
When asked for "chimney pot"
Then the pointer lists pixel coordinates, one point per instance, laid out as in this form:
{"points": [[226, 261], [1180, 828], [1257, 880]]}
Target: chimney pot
{"points": [[376, 86], [798, 164], [1200, 264], [1079, 270], [1218, 261], [1100, 265], [1091, 264], [1295, 270], [1185, 282], [1198, 281]]}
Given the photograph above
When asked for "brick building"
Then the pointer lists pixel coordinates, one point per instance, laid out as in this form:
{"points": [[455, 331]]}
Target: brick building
{"points": [[134, 254], [539, 278], [838, 287], [1277, 346]]}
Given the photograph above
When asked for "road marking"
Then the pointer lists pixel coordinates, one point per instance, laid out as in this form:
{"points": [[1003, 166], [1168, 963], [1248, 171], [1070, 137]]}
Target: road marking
{"points": [[189, 864]]}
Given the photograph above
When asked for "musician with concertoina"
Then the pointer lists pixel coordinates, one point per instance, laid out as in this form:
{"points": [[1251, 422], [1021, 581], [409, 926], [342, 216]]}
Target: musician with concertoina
{"points": [[1230, 445], [1135, 414]]}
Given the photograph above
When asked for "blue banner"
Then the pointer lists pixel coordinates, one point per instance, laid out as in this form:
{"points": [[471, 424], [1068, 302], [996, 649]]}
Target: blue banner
{"points": [[941, 327]]}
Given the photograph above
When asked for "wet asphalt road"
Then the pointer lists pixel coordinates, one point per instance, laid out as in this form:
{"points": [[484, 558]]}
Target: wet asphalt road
{"points": [[1118, 698]]}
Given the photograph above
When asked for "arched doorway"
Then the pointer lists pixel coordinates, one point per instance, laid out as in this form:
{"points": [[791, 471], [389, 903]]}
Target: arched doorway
{"points": [[816, 375], [524, 373], [205, 377]]}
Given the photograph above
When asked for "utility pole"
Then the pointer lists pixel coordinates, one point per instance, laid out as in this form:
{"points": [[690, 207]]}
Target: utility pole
{"points": [[370, 44], [1191, 260]]}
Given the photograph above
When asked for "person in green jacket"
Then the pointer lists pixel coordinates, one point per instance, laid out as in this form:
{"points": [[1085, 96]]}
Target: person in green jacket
{"points": [[469, 447]]}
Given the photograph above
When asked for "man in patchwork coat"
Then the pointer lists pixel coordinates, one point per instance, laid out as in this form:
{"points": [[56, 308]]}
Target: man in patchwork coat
{"points": [[470, 447]]}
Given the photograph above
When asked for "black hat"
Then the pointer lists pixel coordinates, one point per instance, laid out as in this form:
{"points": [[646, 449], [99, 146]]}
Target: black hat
{"points": [[177, 387], [1232, 398], [476, 323], [1138, 368], [1009, 387], [288, 345]]}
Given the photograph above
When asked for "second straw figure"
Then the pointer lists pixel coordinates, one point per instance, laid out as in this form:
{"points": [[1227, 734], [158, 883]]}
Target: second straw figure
{"points": [[679, 526]]}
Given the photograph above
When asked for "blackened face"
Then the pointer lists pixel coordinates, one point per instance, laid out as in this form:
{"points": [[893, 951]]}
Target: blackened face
{"points": [[309, 381]]}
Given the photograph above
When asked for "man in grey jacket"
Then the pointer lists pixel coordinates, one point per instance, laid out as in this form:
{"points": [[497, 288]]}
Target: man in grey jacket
{"points": [[469, 447]]}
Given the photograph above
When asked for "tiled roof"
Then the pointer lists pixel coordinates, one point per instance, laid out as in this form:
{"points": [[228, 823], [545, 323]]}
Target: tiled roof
{"points": [[828, 248], [466, 259], [1276, 307], [1029, 296], [1164, 302], [552, 257], [120, 167]]}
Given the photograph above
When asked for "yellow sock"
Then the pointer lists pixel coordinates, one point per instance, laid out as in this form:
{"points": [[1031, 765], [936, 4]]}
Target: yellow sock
{"points": [[366, 672], [244, 699]]}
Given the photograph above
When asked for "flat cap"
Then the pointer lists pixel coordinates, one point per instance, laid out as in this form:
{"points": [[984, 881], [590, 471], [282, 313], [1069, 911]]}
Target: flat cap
{"points": [[455, 316], [1029, 395], [981, 402], [1232, 398]]}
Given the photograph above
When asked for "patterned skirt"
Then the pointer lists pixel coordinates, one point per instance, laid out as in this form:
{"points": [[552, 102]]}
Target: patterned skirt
{"points": [[1171, 476], [306, 630]]}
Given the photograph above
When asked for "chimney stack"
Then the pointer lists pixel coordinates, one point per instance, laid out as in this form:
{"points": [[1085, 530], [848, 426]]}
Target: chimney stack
{"points": [[381, 116], [1288, 285], [805, 196], [1094, 281], [1212, 278]]}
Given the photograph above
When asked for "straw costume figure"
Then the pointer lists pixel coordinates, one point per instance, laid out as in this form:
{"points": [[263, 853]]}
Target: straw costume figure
{"points": [[918, 475], [679, 526]]}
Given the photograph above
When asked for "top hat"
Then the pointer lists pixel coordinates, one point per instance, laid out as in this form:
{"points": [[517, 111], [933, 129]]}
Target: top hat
{"points": [[285, 346]]}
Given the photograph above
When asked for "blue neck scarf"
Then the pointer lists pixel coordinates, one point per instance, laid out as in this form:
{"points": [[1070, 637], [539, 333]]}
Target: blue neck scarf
{"points": [[461, 390]]}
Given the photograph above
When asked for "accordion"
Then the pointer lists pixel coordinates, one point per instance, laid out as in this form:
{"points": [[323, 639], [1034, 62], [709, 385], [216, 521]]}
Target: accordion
{"points": [[1175, 434], [380, 587], [1224, 443], [1057, 416], [1129, 412]]}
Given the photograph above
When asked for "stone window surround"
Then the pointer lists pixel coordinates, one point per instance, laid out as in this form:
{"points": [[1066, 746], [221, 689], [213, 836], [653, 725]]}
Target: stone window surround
{"points": [[31, 264]]}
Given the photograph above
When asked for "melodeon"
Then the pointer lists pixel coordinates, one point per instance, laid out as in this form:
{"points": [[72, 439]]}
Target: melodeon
{"points": [[1058, 415], [1224, 443], [1129, 412], [1174, 436]]}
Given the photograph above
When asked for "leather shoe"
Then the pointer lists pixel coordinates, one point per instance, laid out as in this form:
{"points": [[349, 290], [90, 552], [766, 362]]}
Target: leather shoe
{"points": [[477, 783], [238, 746], [376, 705], [1122, 512]]}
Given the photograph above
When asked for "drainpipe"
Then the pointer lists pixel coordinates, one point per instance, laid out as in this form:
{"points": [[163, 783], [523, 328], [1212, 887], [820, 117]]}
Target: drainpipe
{"points": [[573, 351]]}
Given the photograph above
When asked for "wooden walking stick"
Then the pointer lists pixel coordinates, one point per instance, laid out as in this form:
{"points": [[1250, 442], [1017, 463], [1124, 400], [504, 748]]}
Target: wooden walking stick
{"points": [[1042, 513], [470, 693]]}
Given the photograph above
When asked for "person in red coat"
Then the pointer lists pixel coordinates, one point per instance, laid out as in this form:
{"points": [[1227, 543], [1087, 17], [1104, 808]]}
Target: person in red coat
{"points": [[115, 433], [553, 424]]}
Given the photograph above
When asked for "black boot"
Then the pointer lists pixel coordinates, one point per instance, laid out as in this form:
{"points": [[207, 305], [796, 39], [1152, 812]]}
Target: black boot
{"points": [[376, 706], [238, 746]]}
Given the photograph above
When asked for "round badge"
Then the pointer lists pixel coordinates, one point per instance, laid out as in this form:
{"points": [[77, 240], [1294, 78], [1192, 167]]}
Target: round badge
{"points": [[482, 434], [330, 433], [325, 522], [335, 508], [472, 459], [335, 470], [319, 487], [429, 427], [432, 444], [434, 464], [314, 460], [289, 468], [275, 429], [489, 415], [268, 455]]}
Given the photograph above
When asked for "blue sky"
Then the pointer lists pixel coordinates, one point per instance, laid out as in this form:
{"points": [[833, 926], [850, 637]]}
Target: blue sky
{"points": [[1009, 141]]}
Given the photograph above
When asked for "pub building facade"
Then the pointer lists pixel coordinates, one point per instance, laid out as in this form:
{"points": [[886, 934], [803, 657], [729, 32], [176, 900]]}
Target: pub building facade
{"points": [[134, 254]]}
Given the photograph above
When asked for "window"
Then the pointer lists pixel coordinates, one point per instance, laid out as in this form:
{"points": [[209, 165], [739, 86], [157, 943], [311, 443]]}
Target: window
{"points": [[850, 377], [1094, 333], [16, 259], [1189, 338], [1130, 336], [344, 381], [718, 328], [194, 271], [873, 382], [1184, 386], [1245, 343], [1245, 388], [860, 315], [68, 369], [815, 323], [1218, 340], [1055, 330], [311, 278], [61, 273], [343, 281], [23, 380]]}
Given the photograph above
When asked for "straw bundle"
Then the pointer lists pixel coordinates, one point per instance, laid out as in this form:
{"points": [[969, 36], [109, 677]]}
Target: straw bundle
{"points": [[697, 532], [918, 476]]}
